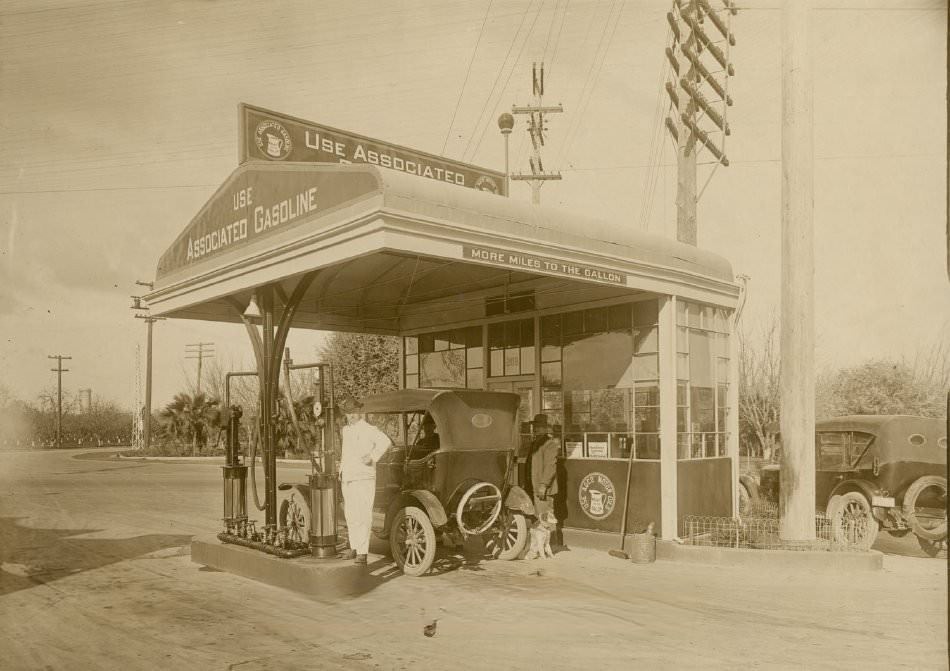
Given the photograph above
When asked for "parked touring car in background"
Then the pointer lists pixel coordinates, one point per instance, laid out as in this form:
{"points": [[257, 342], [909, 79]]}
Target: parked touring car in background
{"points": [[876, 471]]}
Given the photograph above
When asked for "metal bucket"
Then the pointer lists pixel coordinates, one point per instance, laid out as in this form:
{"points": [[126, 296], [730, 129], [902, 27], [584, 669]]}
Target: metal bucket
{"points": [[643, 548], [322, 515]]}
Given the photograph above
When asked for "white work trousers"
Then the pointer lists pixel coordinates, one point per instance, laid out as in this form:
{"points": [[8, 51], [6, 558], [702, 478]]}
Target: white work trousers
{"points": [[358, 507]]}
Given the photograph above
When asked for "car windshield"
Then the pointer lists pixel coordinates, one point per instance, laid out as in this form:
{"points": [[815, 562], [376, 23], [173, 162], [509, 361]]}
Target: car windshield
{"points": [[392, 425]]}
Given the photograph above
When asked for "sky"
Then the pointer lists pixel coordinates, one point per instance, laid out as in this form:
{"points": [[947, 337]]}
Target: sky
{"points": [[118, 120]]}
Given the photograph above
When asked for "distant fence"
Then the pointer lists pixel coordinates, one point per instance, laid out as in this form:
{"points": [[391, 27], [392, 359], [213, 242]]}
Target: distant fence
{"points": [[761, 532]]}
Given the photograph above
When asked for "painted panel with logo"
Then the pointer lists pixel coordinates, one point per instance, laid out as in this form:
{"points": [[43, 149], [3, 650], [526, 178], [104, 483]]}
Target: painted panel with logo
{"points": [[592, 494], [266, 135]]}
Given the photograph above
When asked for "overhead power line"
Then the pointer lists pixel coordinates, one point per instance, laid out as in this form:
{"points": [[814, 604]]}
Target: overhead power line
{"points": [[467, 74]]}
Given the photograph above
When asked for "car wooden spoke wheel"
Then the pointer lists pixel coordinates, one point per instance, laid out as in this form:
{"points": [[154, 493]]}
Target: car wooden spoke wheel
{"points": [[412, 541], [925, 508], [509, 536], [852, 522]]}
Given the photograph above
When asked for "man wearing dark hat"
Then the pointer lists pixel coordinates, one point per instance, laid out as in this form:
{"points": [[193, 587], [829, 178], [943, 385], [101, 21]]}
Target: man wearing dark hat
{"points": [[545, 450], [363, 445]]}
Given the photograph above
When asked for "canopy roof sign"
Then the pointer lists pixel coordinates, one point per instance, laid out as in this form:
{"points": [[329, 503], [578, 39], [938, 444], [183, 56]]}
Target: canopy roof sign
{"points": [[272, 136], [390, 253]]}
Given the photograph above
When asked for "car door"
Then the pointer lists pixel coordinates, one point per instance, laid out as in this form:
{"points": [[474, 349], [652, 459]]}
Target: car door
{"points": [[831, 463]]}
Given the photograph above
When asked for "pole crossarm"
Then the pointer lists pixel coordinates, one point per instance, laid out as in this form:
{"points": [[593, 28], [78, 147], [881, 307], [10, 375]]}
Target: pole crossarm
{"points": [[704, 138], [717, 21], [536, 129], [700, 100], [693, 58]]}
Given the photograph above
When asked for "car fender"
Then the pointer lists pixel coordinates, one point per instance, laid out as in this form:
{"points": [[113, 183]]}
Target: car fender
{"points": [[518, 499], [420, 498], [868, 489]]}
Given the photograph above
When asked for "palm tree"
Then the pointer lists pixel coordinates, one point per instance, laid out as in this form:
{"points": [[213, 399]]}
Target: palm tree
{"points": [[191, 417]]}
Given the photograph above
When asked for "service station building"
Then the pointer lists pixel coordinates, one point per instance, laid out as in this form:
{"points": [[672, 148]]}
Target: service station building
{"points": [[622, 338]]}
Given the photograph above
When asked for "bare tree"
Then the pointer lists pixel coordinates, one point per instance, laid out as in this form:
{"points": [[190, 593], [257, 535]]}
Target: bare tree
{"points": [[759, 389]]}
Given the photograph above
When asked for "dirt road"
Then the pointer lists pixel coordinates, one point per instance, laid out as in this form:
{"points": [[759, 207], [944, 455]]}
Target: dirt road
{"points": [[95, 575]]}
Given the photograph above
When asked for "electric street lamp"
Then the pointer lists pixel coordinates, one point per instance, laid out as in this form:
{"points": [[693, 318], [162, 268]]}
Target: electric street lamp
{"points": [[505, 123], [137, 304]]}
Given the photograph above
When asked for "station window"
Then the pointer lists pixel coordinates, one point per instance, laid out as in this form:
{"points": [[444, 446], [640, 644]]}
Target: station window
{"points": [[702, 380], [445, 359], [511, 348], [599, 380]]}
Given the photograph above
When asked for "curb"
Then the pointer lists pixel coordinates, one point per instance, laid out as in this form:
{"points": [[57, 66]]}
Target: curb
{"points": [[805, 560], [320, 578], [802, 560], [200, 460]]}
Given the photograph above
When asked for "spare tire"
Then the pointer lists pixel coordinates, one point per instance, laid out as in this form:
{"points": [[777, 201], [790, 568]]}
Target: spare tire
{"points": [[926, 511]]}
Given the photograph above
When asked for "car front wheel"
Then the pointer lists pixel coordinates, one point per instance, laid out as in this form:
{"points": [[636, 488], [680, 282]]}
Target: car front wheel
{"points": [[412, 541], [852, 522], [509, 537]]}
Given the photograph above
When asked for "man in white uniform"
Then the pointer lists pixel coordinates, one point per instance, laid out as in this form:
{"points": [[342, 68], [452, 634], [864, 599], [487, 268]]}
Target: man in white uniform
{"points": [[363, 446]]}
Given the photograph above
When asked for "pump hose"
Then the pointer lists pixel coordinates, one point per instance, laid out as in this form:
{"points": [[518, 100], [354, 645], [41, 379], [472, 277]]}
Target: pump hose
{"points": [[254, 440]]}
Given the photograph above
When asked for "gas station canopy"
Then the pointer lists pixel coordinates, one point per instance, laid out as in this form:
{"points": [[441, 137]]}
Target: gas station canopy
{"points": [[394, 253]]}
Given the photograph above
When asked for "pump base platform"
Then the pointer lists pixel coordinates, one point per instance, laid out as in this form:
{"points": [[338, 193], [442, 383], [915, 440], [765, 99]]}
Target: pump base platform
{"points": [[321, 578]]}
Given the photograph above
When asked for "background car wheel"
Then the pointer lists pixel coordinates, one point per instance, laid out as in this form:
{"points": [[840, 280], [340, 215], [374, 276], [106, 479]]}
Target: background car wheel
{"points": [[509, 537], [925, 507], [852, 522], [412, 541]]}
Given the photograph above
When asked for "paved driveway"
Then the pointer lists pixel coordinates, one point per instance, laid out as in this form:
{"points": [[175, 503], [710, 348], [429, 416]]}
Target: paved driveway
{"points": [[96, 574]]}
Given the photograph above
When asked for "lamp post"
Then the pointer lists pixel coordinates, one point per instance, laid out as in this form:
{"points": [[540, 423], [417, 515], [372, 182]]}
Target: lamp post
{"points": [[137, 304], [505, 123]]}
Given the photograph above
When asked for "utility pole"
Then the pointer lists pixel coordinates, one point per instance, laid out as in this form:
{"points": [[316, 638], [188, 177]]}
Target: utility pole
{"points": [[691, 76], [536, 130], [197, 351], [137, 304], [797, 477], [59, 370]]}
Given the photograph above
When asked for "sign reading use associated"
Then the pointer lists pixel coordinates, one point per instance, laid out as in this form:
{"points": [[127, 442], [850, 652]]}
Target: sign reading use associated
{"points": [[256, 203], [272, 136]]}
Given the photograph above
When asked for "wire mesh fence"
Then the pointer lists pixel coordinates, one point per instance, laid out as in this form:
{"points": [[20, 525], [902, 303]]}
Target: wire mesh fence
{"points": [[761, 532]]}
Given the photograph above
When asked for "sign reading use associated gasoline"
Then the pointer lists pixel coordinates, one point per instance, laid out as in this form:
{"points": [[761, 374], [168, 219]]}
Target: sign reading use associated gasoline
{"points": [[272, 136]]}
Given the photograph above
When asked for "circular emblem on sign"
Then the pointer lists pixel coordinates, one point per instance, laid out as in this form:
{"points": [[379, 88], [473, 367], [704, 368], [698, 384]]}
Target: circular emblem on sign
{"points": [[273, 140], [481, 421], [485, 183], [596, 495]]}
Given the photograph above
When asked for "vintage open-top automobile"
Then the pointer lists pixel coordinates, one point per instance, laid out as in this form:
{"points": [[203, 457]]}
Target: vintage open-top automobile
{"points": [[878, 471], [462, 484]]}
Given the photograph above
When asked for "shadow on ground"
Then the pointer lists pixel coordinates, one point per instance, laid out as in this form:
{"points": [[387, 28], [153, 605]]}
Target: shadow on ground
{"points": [[32, 557]]}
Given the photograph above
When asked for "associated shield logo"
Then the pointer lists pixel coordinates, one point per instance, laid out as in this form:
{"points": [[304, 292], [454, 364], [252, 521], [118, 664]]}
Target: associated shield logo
{"points": [[273, 140], [485, 183], [597, 496]]}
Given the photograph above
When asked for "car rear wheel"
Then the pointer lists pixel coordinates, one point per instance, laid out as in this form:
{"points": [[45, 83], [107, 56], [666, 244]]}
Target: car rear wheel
{"points": [[925, 507], [412, 541], [508, 538], [852, 522]]}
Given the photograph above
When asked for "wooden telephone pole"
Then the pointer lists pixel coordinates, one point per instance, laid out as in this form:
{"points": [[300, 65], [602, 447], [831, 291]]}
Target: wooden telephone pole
{"points": [[797, 481], [536, 130], [197, 351], [699, 118], [59, 370]]}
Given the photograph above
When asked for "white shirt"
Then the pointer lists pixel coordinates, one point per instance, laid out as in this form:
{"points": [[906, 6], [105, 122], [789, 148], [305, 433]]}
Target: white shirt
{"points": [[360, 440]]}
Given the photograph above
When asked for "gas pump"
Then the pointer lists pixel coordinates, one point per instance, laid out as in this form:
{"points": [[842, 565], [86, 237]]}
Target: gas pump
{"points": [[320, 497]]}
